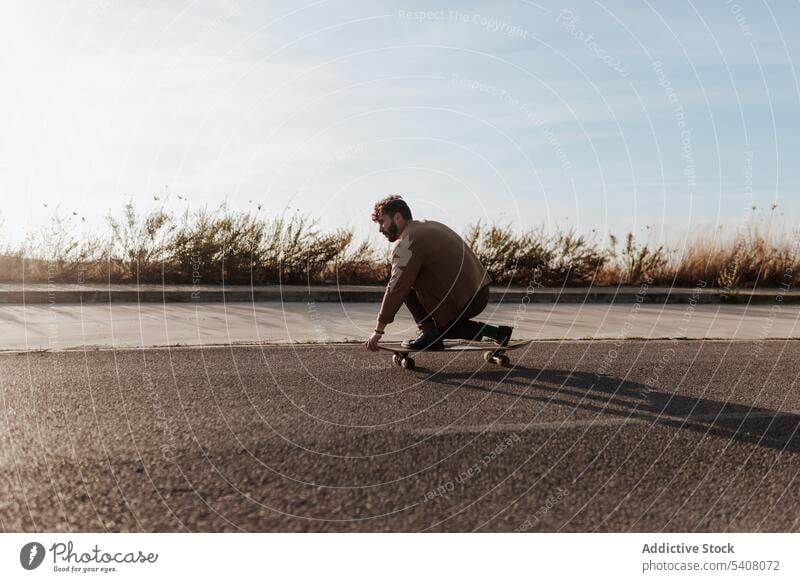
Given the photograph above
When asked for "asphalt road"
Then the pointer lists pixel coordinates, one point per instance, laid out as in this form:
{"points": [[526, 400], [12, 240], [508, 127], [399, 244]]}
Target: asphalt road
{"points": [[676, 436]]}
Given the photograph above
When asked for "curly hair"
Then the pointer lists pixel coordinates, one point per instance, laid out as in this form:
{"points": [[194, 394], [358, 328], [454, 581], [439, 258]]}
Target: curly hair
{"points": [[390, 205]]}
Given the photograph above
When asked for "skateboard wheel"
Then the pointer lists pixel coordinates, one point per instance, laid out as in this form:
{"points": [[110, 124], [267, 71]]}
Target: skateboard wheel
{"points": [[487, 356], [396, 359], [500, 360], [407, 363]]}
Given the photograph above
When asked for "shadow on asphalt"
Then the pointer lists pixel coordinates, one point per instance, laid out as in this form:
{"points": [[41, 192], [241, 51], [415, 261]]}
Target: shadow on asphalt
{"points": [[615, 398]]}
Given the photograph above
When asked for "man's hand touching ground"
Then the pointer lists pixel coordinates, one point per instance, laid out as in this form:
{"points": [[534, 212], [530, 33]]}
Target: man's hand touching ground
{"points": [[372, 343]]}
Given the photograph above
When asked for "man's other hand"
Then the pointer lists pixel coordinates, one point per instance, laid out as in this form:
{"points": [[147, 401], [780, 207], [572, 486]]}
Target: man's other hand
{"points": [[372, 343]]}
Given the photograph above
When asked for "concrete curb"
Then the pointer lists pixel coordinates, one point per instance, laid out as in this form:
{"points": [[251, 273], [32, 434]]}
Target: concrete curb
{"points": [[42, 294]]}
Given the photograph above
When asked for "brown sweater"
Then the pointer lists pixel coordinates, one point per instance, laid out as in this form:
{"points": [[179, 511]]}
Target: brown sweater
{"points": [[430, 259]]}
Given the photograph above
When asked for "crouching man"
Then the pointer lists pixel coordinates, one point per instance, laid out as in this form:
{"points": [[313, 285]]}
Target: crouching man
{"points": [[438, 278]]}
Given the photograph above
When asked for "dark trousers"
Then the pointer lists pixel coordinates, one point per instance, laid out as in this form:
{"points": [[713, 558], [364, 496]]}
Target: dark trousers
{"points": [[461, 327]]}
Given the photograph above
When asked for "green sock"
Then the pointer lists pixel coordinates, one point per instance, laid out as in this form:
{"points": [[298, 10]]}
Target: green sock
{"points": [[431, 331]]}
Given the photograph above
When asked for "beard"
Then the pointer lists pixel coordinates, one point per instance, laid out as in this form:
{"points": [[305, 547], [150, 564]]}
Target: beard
{"points": [[392, 233]]}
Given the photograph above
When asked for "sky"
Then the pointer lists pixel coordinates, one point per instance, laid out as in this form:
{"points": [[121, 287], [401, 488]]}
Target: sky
{"points": [[602, 116]]}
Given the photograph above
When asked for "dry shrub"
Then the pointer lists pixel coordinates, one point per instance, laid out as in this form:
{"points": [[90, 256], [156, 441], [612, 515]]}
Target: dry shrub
{"points": [[635, 263], [243, 247], [564, 258], [138, 249], [55, 254], [754, 257]]}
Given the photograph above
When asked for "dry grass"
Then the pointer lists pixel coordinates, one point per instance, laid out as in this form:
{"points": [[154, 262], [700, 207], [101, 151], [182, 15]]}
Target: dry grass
{"points": [[244, 247], [755, 256], [565, 258]]}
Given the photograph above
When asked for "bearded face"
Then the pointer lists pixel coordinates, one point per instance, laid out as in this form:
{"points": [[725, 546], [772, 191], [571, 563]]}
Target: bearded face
{"points": [[389, 229]]}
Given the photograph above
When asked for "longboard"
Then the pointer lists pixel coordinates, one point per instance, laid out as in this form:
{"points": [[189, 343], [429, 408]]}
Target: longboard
{"points": [[492, 352]]}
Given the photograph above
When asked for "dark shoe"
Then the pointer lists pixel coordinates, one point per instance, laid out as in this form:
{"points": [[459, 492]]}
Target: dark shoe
{"points": [[504, 334], [426, 340]]}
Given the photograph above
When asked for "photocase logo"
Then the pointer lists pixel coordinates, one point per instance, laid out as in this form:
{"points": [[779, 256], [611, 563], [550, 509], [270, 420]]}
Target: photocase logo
{"points": [[31, 555]]}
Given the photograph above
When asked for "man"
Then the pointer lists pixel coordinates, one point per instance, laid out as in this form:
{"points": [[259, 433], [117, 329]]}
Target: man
{"points": [[438, 278]]}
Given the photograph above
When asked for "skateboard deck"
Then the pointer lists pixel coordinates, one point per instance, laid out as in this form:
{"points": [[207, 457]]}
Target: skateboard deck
{"points": [[492, 352]]}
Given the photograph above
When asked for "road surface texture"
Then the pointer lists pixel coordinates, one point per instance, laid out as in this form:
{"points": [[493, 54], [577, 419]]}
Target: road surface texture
{"points": [[577, 436]]}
